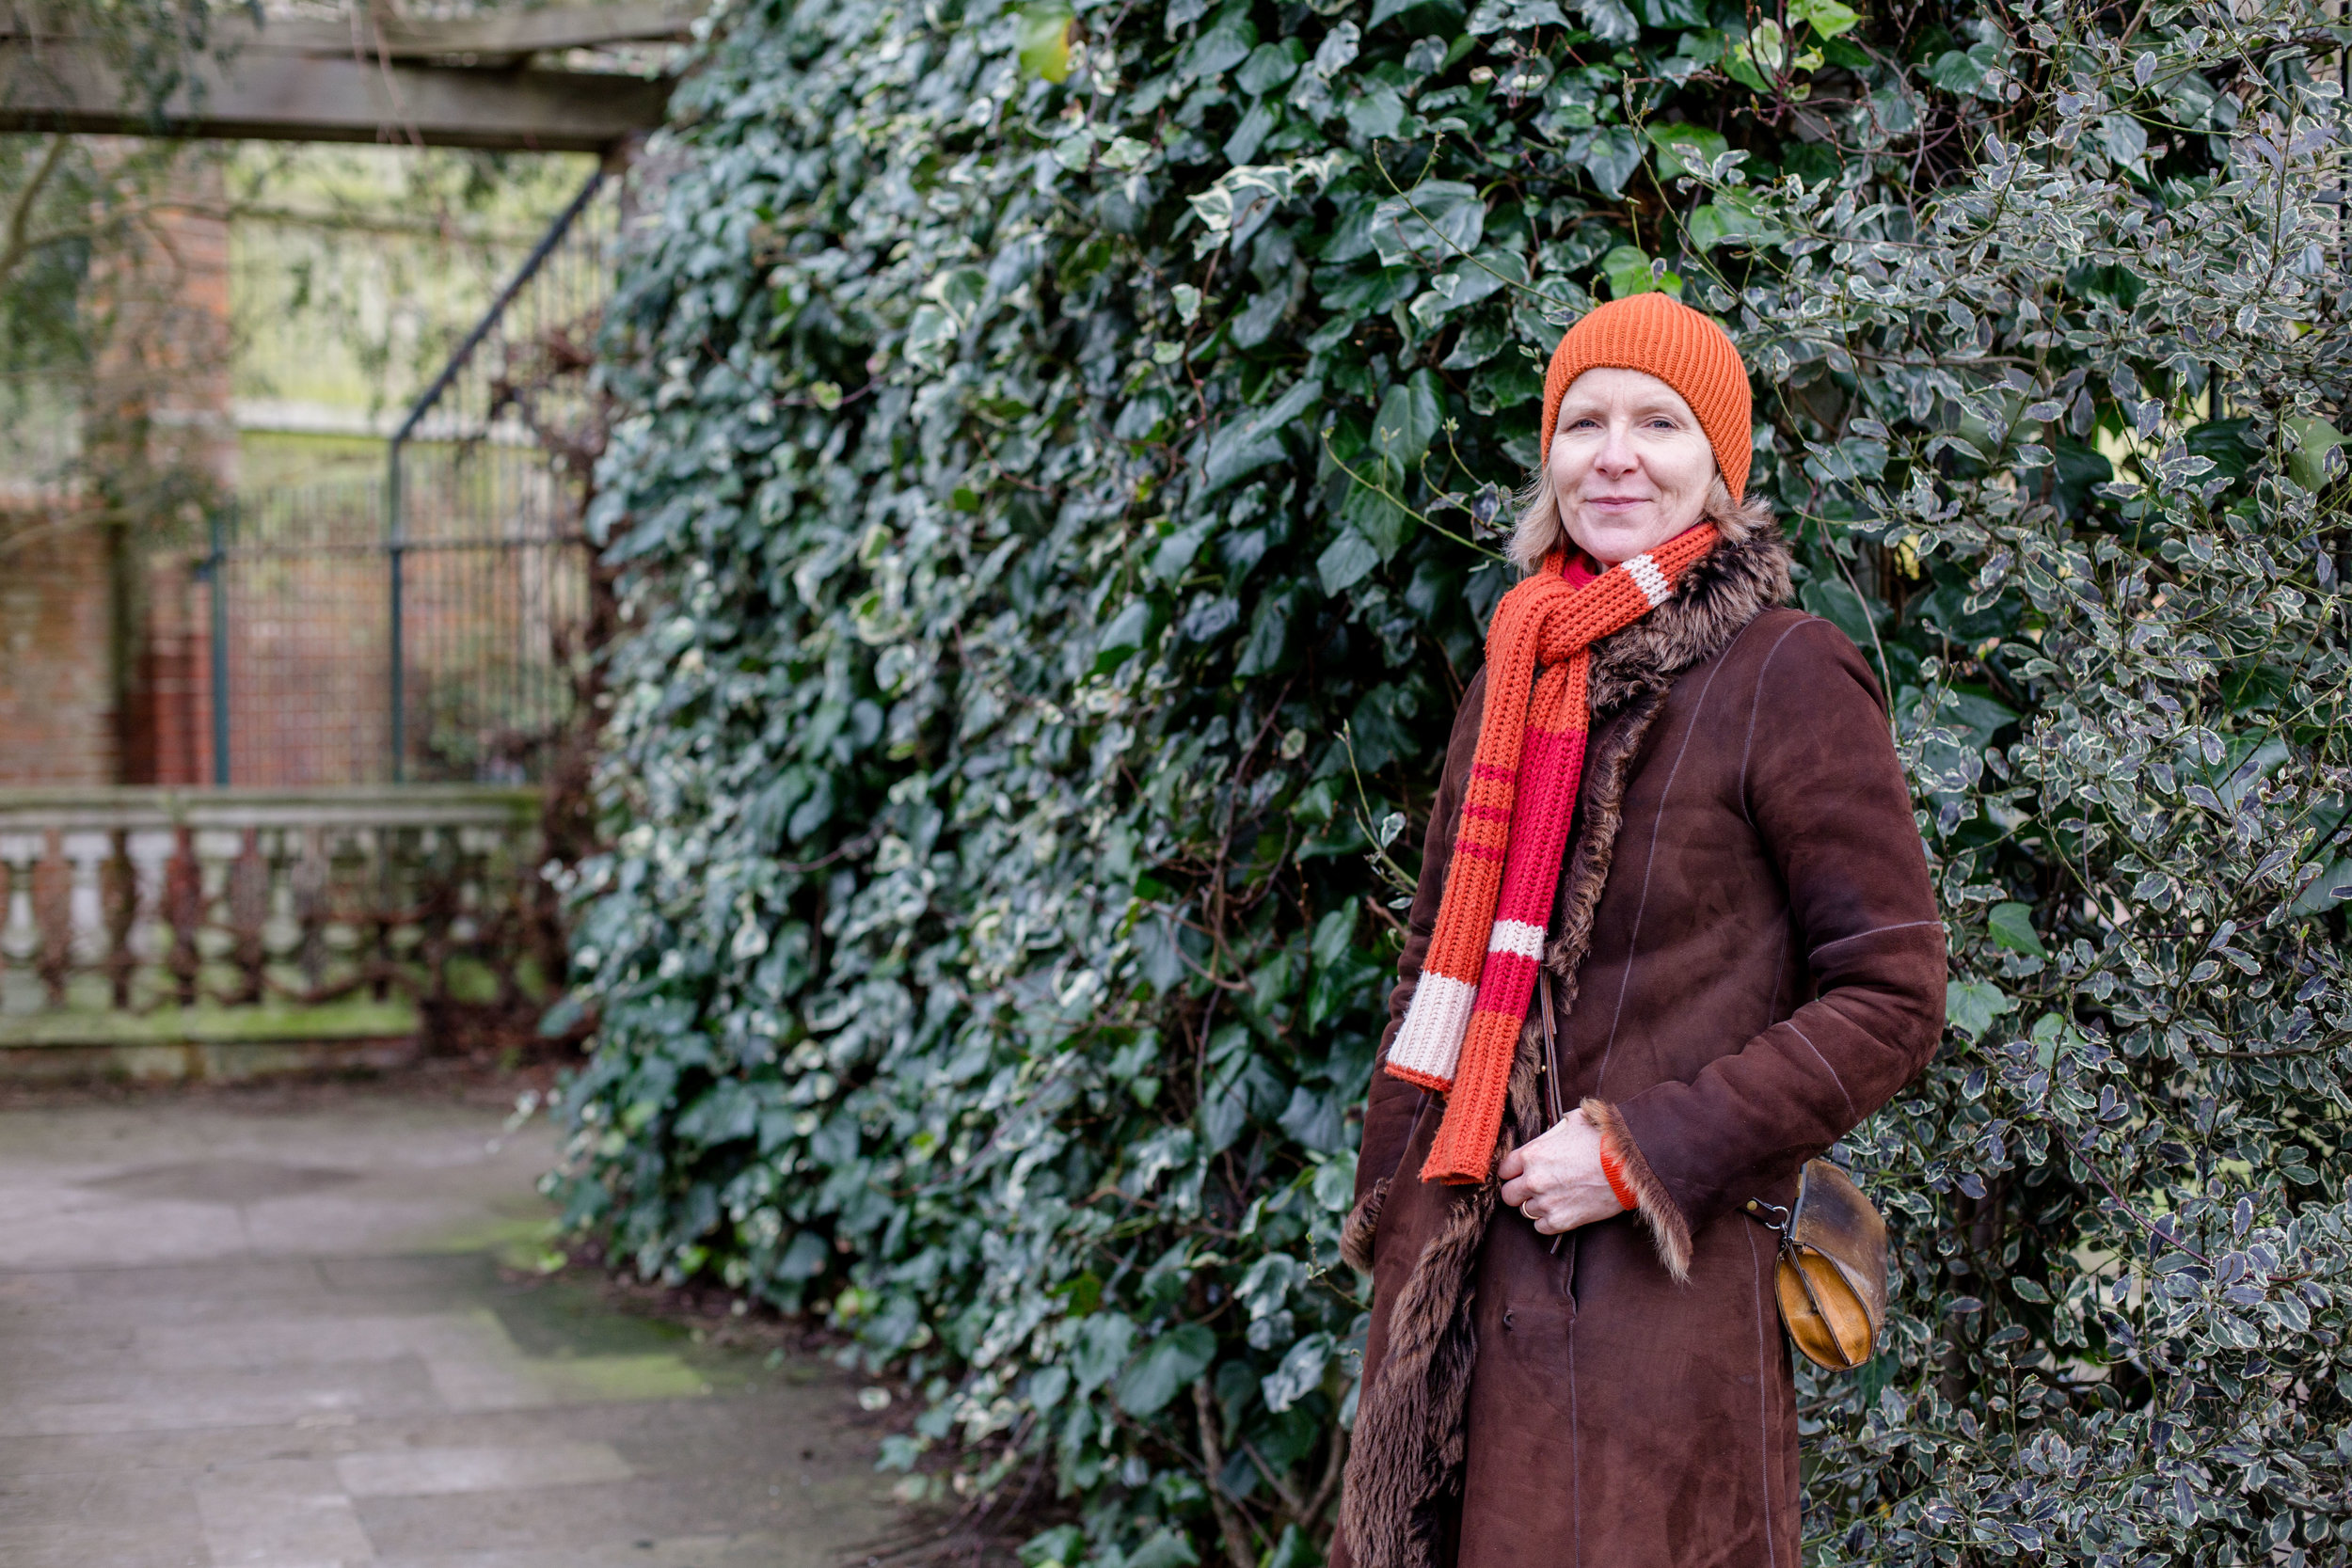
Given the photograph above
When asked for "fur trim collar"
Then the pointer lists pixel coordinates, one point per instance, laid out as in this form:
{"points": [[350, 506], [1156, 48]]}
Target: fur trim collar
{"points": [[1729, 586]]}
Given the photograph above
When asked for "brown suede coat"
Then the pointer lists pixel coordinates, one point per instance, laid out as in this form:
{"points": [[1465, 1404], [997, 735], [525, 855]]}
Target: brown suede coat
{"points": [[1748, 955]]}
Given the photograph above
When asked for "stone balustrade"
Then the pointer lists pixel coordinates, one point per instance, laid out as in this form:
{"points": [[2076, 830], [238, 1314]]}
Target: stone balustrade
{"points": [[184, 932]]}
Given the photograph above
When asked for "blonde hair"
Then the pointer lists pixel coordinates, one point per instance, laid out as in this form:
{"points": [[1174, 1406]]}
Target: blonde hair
{"points": [[1540, 530]]}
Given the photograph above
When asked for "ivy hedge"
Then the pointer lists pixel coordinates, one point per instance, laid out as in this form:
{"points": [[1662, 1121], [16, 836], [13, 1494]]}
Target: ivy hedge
{"points": [[1062, 463]]}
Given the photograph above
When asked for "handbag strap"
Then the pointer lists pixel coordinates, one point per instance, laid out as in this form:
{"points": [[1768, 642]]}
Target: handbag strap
{"points": [[1551, 1064], [1550, 1069]]}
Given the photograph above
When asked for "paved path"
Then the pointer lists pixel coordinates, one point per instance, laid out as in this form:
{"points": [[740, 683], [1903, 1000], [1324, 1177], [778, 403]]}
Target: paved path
{"points": [[234, 1334]]}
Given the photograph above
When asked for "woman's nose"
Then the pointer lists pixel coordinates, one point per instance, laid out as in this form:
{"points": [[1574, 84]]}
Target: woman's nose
{"points": [[1616, 453]]}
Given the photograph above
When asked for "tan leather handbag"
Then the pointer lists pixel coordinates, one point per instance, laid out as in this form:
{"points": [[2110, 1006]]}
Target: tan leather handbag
{"points": [[1830, 1278]]}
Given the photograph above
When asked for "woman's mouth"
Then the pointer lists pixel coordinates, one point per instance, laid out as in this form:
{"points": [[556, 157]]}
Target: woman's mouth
{"points": [[1618, 504]]}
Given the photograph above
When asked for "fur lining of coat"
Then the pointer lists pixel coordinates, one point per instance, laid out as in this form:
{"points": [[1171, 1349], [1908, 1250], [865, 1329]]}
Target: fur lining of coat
{"points": [[1410, 1441]]}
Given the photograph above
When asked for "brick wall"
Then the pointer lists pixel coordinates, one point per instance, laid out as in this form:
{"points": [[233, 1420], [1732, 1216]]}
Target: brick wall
{"points": [[58, 723], [167, 725], [105, 660]]}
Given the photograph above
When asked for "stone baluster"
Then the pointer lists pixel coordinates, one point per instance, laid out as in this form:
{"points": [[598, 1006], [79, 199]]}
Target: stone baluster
{"points": [[436, 906], [52, 916], [119, 908], [309, 879], [248, 904], [350, 896], [373, 916], [20, 936], [183, 909]]}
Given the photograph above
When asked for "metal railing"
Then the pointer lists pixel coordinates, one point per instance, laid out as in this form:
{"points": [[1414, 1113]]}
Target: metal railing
{"points": [[494, 456], [434, 625]]}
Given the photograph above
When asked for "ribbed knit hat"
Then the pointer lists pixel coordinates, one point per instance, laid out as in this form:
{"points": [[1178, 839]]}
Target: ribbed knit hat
{"points": [[1686, 350]]}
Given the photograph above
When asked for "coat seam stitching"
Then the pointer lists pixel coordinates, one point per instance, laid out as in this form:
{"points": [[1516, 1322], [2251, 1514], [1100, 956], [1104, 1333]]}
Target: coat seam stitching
{"points": [[1825, 1063], [1875, 930], [1756, 705]]}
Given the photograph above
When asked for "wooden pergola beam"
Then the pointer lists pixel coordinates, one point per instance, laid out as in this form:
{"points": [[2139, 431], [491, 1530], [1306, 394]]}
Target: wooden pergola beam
{"points": [[515, 36], [63, 85], [484, 38]]}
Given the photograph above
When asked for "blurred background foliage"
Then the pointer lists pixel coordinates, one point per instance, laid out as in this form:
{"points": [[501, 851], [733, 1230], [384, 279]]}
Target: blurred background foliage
{"points": [[1062, 459], [353, 270]]}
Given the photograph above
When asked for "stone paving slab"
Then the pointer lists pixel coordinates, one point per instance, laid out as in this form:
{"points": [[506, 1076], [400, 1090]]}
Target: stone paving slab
{"points": [[279, 1335]]}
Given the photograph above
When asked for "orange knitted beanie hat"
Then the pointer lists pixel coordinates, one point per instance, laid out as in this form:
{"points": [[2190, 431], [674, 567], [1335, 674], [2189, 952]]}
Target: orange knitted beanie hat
{"points": [[1686, 350]]}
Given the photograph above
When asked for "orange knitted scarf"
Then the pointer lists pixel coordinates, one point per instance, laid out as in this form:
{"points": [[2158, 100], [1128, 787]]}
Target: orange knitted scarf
{"points": [[1462, 1029]]}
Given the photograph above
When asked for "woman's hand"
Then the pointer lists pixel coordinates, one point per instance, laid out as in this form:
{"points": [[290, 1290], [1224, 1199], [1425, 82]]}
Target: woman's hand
{"points": [[1556, 1179]]}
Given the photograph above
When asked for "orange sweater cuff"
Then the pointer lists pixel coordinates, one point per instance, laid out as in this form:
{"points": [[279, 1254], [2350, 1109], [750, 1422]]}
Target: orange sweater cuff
{"points": [[1612, 1166]]}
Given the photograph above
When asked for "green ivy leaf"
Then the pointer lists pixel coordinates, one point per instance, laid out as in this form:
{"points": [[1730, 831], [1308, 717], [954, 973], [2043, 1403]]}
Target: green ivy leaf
{"points": [[2011, 926], [1972, 1005], [1173, 558], [1127, 632], [1610, 154], [1269, 66], [1841, 607], [1169, 1549], [1168, 1365], [1964, 71], [2314, 438], [1495, 16], [1704, 146], [1504, 383], [1221, 45], [1376, 113], [1301, 1371], [1245, 445], [1629, 272], [1375, 513], [1433, 224], [1409, 420], [1043, 32], [1610, 21], [1268, 647], [1099, 1348], [1344, 562], [1724, 219], [1827, 18]]}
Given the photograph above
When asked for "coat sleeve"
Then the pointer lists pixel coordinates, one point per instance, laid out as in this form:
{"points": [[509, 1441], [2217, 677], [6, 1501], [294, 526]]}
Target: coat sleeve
{"points": [[1393, 1105], [1831, 807]]}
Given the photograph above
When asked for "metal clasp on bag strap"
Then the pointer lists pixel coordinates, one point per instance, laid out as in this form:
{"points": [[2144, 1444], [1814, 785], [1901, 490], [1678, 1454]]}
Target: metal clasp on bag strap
{"points": [[1757, 1211]]}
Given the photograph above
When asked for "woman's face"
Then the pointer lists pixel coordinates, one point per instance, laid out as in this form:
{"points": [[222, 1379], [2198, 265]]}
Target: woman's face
{"points": [[1629, 462]]}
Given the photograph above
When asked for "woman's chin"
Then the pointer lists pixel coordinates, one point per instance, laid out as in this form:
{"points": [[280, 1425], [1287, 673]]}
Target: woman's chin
{"points": [[1612, 539]]}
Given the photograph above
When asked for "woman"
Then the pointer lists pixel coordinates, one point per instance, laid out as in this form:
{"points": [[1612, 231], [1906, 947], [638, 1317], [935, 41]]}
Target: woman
{"points": [[1575, 1356]]}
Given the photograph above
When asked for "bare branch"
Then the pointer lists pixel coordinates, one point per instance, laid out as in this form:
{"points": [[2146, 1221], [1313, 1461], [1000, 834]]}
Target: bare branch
{"points": [[21, 243]]}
